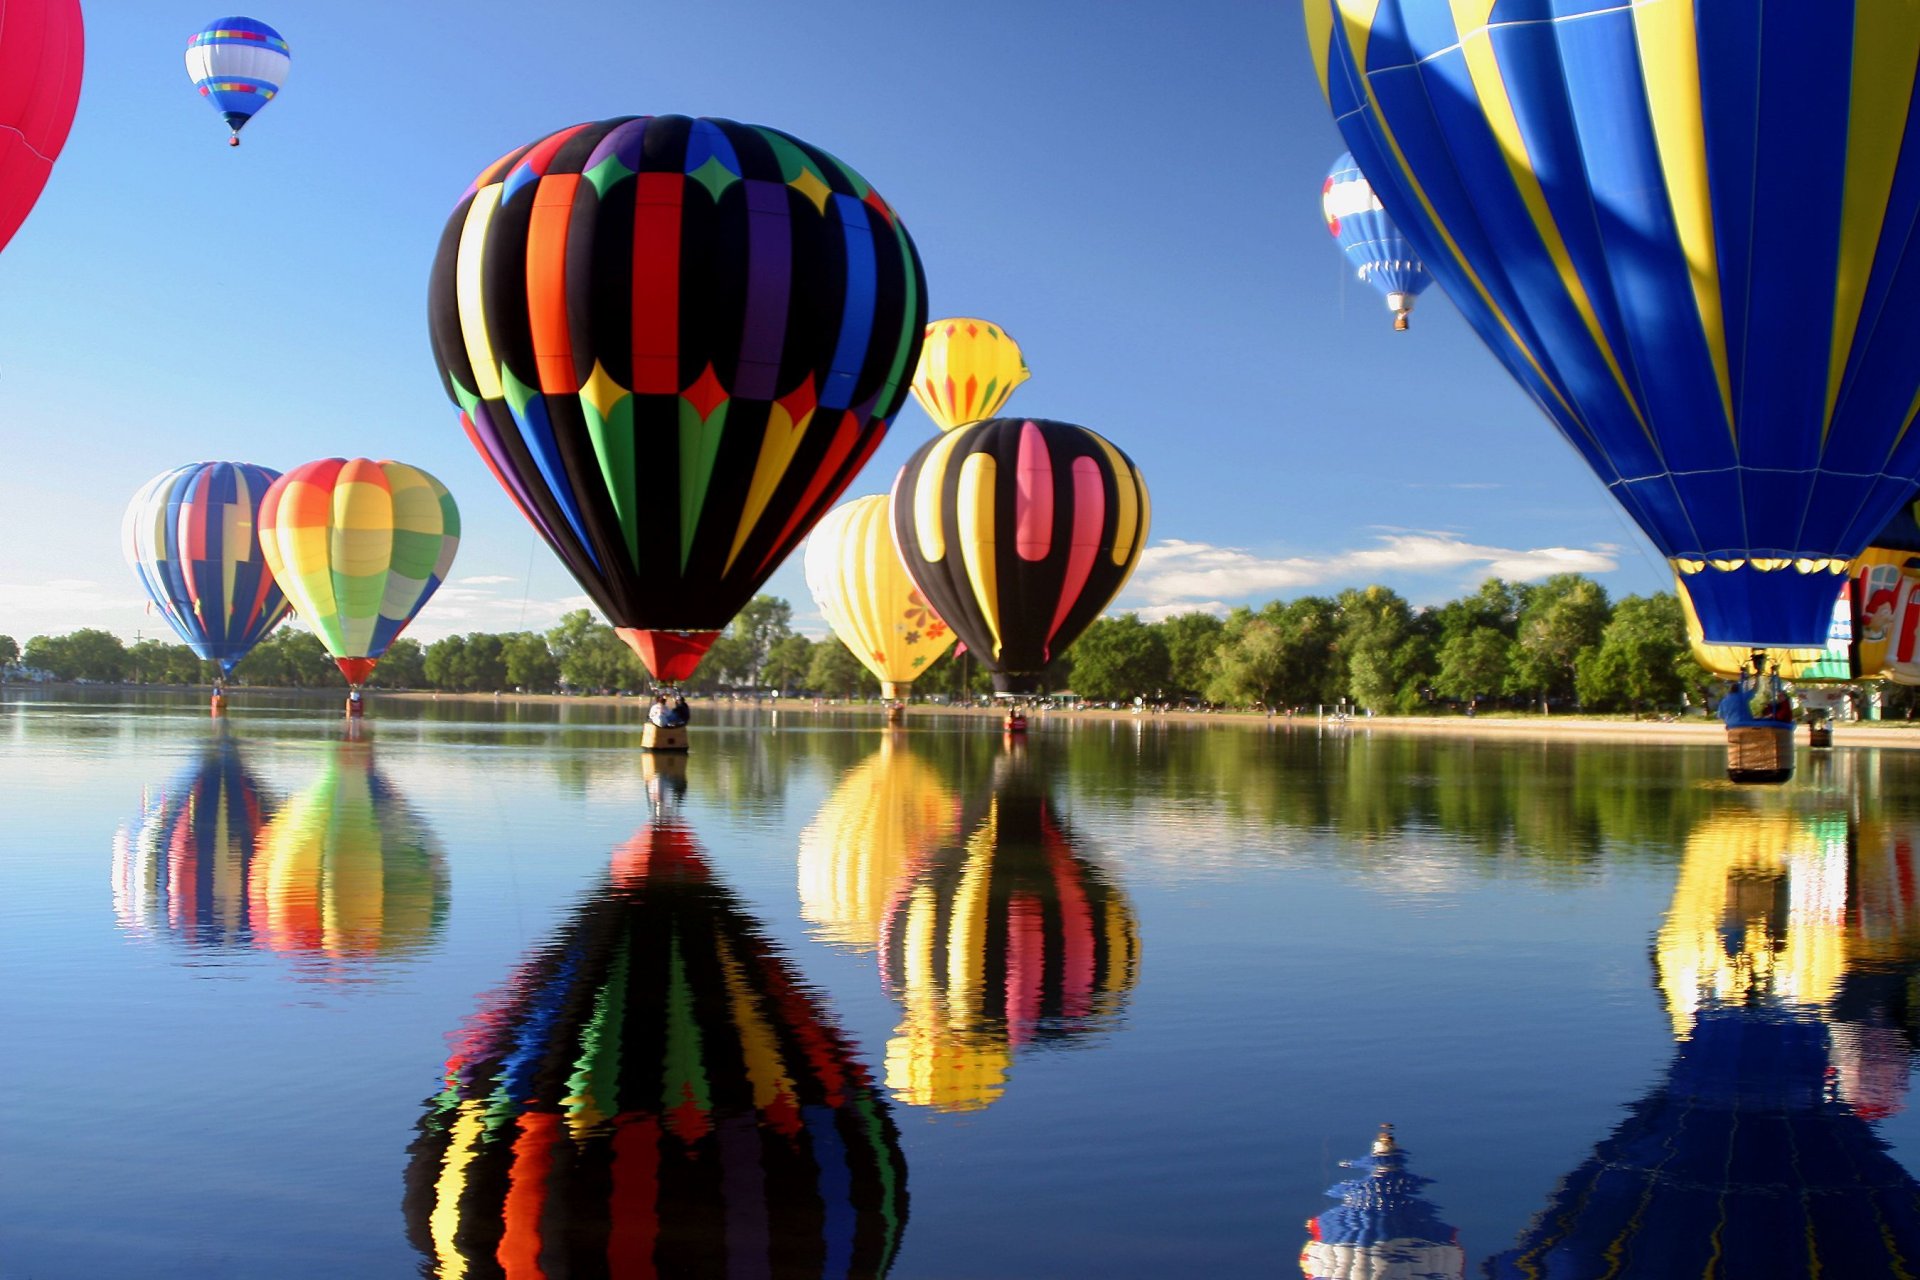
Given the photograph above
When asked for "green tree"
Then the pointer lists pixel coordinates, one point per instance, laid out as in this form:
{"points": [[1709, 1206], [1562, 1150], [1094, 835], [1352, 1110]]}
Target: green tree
{"points": [[290, 658], [835, 672], [1474, 663], [9, 650], [530, 664], [86, 654], [788, 663], [1251, 663], [763, 623], [445, 664], [591, 656], [1191, 640], [1119, 658], [1638, 662], [1377, 640], [1495, 605], [157, 662], [1564, 615], [403, 666]]}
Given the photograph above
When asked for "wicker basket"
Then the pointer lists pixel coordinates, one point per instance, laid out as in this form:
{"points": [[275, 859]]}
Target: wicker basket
{"points": [[1760, 753], [1820, 735]]}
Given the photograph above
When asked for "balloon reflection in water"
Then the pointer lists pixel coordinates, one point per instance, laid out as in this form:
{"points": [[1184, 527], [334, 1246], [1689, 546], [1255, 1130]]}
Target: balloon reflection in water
{"points": [[347, 870], [888, 811], [184, 867], [1004, 939], [1383, 1228], [655, 1093], [1754, 1158]]}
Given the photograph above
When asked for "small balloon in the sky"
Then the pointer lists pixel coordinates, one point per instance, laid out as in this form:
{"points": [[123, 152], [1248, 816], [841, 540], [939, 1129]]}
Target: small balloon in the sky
{"points": [[238, 65], [1380, 254], [967, 370]]}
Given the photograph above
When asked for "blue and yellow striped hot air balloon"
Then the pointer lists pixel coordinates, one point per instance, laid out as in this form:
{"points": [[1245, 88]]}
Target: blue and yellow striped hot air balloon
{"points": [[1689, 234], [191, 535], [1380, 255]]}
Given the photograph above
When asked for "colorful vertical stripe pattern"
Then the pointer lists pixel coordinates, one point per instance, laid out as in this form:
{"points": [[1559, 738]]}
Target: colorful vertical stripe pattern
{"points": [[1003, 939], [1019, 532], [192, 537], [869, 599], [359, 546], [1380, 255], [1687, 230], [42, 53], [655, 1093], [238, 65], [968, 368], [675, 342]]}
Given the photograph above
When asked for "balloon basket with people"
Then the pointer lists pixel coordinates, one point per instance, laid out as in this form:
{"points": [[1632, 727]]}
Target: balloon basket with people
{"points": [[667, 718], [1758, 714]]}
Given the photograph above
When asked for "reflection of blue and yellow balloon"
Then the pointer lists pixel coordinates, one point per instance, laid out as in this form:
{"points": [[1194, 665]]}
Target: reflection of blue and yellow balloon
{"points": [[656, 1093]]}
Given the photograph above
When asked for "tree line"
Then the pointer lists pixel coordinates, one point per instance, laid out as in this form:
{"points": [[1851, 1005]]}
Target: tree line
{"points": [[1556, 643]]}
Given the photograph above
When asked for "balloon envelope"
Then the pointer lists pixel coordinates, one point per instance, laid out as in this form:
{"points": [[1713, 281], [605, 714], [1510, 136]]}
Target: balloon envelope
{"points": [[42, 50], [192, 536], [869, 599], [1691, 246], [1019, 532], [1379, 253], [967, 370], [1831, 664], [675, 342], [238, 65], [359, 546]]}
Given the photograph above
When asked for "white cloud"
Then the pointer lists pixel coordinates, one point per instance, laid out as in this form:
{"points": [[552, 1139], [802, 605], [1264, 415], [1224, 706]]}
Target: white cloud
{"points": [[1161, 612], [1176, 576], [485, 580]]}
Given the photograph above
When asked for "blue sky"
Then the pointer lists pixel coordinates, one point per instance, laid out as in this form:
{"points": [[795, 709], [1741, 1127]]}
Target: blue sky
{"points": [[1130, 189]]}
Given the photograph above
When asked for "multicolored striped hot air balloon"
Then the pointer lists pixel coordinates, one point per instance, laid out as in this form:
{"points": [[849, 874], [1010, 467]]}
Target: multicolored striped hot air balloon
{"points": [[238, 65], [1380, 255], [862, 586], [675, 342], [192, 536], [358, 546], [1002, 939], [967, 370], [1019, 532], [1688, 231], [1885, 591], [1383, 1226], [42, 51], [655, 1093]]}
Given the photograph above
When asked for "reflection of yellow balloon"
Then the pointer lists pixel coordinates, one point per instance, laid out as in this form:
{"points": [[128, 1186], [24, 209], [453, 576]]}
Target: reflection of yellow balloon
{"points": [[967, 370], [1727, 661], [883, 815], [863, 588], [347, 870], [1759, 912]]}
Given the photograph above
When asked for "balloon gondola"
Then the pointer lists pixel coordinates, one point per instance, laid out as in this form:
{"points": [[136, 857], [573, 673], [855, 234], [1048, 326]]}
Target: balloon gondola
{"points": [[674, 342]]}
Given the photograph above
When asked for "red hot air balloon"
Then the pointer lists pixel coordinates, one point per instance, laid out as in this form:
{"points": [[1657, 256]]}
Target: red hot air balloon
{"points": [[42, 48]]}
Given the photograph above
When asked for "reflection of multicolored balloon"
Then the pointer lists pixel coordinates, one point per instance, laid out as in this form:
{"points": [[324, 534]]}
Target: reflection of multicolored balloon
{"points": [[863, 588], [1383, 1228], [1004, 939], [42, 51], [185, 869], [347, 871], [192, 536], [967, 370], [1019, 532], [358, 546], [675, 342], [885, 813], [656, 1094]]}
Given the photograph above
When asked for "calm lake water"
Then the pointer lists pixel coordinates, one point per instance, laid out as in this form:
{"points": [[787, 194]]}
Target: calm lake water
{"points": [[489, 992]]}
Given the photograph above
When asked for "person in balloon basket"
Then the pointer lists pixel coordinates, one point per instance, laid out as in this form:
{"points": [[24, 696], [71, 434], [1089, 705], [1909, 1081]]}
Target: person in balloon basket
{"points": [[669, 713]]}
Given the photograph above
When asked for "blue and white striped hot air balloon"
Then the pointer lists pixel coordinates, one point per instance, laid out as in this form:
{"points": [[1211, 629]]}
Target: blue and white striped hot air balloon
{"points": [[1380, 255], [238, 65]]}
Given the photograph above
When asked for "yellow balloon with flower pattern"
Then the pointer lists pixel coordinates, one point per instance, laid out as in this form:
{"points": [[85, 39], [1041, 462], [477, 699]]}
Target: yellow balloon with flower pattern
{"points": [[863, 588]]}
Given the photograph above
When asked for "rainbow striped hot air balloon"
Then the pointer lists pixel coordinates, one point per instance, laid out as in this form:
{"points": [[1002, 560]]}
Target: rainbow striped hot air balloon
{"points": [[238, 65], [192, 536], [656, 1093], [359, 546], [968, 368]]}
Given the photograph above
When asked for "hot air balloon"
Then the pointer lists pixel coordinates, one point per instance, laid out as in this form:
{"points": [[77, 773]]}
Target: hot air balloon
{"points": [[656, 1093], [1885, 590], [1383, 1225], [1831, 664], [864, 590], [238, 65], [1690, 245], [1019, 532], [1380, 255], [675, 342], [887, 812], [967, 370], [192, 537], [358, 546], [183, 870], [42, 50]]}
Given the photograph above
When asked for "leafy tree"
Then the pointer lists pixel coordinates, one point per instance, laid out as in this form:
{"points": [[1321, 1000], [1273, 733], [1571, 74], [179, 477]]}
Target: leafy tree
{"points": [[1495, 605], [1474, 663], [530, 664], [834, 671], [1638, 660], [1191, 640], [728, 663], [591, 656], [1376, 628], [444, 663], [1252, 660], [86, 654], [403, 666], [1117, 658], [290, 658], [763, 623], [954, 674], [1564, 615], [157, 662], [788, 663], [9, 650]]}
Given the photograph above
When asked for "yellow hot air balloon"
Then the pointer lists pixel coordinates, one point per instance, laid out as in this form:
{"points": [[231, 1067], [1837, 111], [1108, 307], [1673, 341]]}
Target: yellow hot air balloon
{"points": [[887, 811], [870, 601], [967, 370]]}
